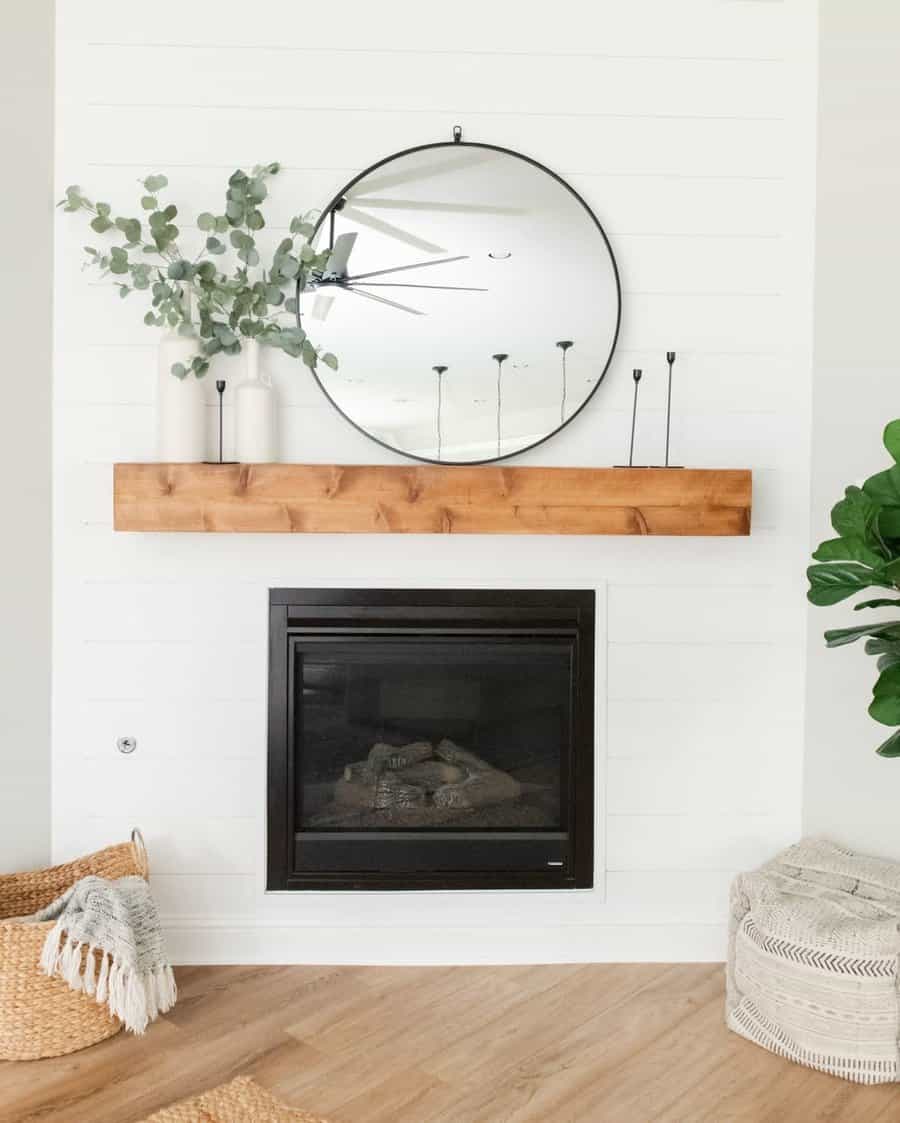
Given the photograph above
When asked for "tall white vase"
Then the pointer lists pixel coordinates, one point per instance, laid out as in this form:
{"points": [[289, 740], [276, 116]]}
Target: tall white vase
{"points": [[254, 412], [180, 403]]}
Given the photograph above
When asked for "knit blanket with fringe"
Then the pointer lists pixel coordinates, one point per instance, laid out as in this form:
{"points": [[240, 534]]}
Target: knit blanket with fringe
{"points": [[117, 920]]}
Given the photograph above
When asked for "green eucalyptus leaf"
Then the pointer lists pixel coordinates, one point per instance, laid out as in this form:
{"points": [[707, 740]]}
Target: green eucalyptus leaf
{"points": [[179, 370], [255, 220], [213, 245], [256, 190], [149, 319], [206, 221], [155, 183], [330, 360], [100, 224], [149, 202]]}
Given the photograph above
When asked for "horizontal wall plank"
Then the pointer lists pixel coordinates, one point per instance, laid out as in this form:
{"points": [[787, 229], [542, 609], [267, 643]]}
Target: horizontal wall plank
{"points": [[140, 786], [197, 731], [599, 436], [640, 27], [727, 781], [663, 204], [666, 613], [757, 673], [150, 133], [683, 731], [696, 841], [225, 845], [465, 81]]}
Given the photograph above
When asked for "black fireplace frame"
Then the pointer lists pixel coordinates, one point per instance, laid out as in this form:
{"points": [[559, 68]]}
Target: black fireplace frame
{"points": [[299, 859]]}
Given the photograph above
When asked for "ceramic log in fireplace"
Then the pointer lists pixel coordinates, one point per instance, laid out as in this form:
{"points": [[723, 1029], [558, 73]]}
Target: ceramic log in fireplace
{"points": [[430, 739]]}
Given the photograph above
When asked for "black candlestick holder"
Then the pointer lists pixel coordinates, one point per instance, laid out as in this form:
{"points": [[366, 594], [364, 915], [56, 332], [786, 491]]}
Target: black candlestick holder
{"points": [[636, 374], [670, 359], [220, 390]]}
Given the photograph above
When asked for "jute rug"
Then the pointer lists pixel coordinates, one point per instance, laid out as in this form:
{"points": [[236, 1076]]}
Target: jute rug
{"points": [[240, 1101]]}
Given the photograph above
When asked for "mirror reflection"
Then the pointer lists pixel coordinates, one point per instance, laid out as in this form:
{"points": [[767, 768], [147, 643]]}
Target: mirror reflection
{"points": [[472, 298]]}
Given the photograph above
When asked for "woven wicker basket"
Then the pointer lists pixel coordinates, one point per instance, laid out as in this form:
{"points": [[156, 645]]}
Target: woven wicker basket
{"points": [[40, 1016]]}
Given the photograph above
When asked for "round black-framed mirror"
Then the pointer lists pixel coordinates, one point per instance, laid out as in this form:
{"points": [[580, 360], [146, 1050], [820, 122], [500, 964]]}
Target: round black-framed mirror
{"points": [[472, 297]]}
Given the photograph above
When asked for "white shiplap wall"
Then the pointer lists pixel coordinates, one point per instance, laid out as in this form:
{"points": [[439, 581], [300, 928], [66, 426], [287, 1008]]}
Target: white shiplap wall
{"points": [[690, 130]]}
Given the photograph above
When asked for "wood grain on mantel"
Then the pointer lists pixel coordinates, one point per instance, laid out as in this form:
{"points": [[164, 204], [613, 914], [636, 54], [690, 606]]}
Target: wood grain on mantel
{"points": [[430, 499]]}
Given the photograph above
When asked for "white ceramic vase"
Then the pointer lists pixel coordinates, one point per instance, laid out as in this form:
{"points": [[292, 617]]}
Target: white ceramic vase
{"points": [[254, 411], [180, 403]]}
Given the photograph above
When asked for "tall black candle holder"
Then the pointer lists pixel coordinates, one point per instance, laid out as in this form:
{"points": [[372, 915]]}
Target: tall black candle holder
{"points": [[220, 390], [670, 359], [636, 374]]}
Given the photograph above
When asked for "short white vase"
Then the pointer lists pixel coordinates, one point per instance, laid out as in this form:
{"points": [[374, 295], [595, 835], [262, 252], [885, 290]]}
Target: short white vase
{"points": [[181, 415], [254, 412]]}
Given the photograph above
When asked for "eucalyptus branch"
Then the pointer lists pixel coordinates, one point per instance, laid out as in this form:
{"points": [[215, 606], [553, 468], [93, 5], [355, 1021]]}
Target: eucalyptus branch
{"points": [[244, 301]]}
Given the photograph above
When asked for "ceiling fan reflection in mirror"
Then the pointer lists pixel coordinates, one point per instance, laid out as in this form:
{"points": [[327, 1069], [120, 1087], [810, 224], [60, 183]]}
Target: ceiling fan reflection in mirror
{"points": [[334, 278], [443, 252]]}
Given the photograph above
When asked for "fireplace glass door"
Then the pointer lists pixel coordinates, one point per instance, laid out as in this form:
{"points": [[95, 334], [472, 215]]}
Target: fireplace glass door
{"points": [[442, 734], [430, 739]]}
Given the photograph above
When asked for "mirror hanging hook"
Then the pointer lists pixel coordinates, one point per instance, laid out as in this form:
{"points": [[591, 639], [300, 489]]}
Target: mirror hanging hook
{"points": [[457, 134]]}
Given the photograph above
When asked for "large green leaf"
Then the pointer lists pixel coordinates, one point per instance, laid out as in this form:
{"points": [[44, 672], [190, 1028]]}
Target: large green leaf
{"points": [[892, 439], [854, 516], [890, 747], [884, 487], [888, 522], [891, 571], [837, 637], [829, 584], [848, 549], [879, 602], [885, 705]]}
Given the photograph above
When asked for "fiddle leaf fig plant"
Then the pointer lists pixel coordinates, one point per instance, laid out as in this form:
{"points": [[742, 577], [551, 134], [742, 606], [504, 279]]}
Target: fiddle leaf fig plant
{"points": [[235, 294], [866, 555]]}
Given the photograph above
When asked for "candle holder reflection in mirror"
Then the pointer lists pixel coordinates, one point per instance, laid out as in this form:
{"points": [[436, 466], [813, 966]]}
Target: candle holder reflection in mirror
{"points": [[445, 249], [440, 372], [564, 345]]}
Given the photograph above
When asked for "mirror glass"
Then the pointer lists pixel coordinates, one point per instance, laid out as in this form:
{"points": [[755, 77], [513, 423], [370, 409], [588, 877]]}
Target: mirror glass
{"points": [[471, 297]]}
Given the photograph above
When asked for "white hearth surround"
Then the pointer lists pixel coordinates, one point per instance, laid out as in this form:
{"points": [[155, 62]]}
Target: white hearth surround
{"points": [[691, 134]]}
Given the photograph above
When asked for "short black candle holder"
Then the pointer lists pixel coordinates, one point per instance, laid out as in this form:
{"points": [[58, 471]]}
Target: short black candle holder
{"points": [[220, 390]]}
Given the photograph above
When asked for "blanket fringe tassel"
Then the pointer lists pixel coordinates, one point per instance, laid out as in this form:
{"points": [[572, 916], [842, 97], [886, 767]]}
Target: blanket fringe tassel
{"points": [[134, 997]]}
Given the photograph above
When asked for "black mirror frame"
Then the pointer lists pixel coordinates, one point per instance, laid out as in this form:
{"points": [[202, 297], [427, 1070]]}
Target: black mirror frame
{"points": [[457, 142]]}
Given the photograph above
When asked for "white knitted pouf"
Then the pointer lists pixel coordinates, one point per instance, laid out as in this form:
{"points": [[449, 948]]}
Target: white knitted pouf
{"points": [[812, 960]]}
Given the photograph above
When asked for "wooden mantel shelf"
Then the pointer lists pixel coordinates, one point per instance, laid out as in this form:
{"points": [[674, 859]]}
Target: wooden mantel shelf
{"points": [[430, 499]]}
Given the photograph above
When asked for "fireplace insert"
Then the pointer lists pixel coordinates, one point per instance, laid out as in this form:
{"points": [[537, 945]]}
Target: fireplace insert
{"points": [[430, 739]]}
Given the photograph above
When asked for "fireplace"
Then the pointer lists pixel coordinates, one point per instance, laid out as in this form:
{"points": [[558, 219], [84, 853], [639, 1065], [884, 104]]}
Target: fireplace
{"points": [[430, 739]]}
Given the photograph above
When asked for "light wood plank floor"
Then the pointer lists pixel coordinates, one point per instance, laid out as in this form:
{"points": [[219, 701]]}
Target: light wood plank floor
{"points": [[553, 1044]]}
